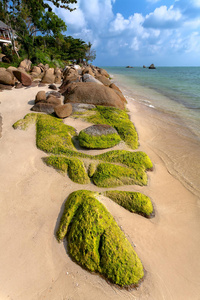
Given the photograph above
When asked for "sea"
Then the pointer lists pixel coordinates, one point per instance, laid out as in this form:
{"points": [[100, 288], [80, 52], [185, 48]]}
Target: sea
{"points": [[173, 94]]}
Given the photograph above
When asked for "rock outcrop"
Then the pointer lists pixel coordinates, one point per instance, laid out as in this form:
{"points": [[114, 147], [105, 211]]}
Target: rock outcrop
{"points": [[92, 93], [152, 67]]}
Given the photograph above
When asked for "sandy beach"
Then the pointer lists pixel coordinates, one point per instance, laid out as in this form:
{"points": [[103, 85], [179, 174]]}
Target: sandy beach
{"points": [[34, 266]]}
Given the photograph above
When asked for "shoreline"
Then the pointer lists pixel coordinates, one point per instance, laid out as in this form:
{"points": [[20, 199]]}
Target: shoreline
{"points": [[176, 139], [37, 267]]}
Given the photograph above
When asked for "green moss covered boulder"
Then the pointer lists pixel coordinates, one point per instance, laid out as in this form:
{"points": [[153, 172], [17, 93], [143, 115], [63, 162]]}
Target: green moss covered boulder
{"points": [[73, 166], [132, 201], [99, 137], [110, 175], [118, 119], [96, 242], [53, 136]]}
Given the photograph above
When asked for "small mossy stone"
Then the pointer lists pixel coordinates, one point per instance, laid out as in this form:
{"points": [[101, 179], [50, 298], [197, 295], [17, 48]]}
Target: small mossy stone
{"points": [[99, 137], [23, 124], [96, 242], [110, 175], [133, 201], [73, 166]]}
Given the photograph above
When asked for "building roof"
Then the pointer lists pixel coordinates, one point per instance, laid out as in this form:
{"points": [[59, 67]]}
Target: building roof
{"points": [[3, 25]]}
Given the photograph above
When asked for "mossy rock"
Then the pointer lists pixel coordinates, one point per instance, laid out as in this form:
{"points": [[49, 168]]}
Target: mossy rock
{"points": [[99, 137], [96, 242], [23, 124], [133, 201], [137, 159], [110, 175], [74, 167], [53, 136], [91, 169], [118, 119]]}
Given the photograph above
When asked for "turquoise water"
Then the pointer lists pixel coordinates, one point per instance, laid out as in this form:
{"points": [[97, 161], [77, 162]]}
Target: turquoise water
{"points": [[174, 90], [171, 96]]}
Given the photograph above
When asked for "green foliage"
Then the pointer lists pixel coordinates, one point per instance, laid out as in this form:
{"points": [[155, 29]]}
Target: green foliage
{"points": [[73, 166], [53, 135], [35, 19], [109, 175], [119, 120], [23, 124], [98, 142], [132, 201], [40, 57], [96, 242]]}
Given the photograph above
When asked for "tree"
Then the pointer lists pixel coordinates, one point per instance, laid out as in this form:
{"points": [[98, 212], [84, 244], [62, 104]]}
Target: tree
{"points": [[90, 54], [28, 17]]}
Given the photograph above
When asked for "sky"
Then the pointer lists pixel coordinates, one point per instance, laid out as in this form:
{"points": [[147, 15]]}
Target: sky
{"points": [[138, 32]]}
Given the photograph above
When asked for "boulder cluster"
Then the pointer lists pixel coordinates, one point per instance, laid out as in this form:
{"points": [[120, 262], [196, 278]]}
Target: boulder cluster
{"points": [[84, 85]]}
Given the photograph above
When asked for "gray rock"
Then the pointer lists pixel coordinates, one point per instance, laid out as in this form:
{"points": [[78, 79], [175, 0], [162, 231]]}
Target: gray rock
{"points": [[90, 78], [97, 130], [44, 107], [81, 107]]}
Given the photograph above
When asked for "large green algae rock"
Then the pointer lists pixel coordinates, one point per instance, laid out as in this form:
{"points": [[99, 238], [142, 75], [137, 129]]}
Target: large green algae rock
{"points": [[116, 118], [99, 137], [52, 135], [133, 201], [96, 242]]}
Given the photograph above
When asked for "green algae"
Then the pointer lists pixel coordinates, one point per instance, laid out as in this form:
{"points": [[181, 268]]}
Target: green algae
{"points": [[128, 158], [96, 242], [23, 124], [73, 166], [53, 136], [98, 142], [111, 175], [118, 119], [133, 201]]}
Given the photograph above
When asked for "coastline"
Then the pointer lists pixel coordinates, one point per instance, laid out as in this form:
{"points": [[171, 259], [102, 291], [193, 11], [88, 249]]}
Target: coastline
{"points": [[37, 267], [174, 142]]}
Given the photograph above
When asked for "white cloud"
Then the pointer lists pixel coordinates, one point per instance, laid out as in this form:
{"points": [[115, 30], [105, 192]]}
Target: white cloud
{"points": [[162, 17], [166, 31]]}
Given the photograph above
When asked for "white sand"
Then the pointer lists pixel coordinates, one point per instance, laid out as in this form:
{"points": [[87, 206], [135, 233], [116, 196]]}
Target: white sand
{"points": [[34, 266]]}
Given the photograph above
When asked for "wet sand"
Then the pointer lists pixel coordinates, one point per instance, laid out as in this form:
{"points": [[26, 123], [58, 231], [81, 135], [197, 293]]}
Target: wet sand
{"points": [[34, 266]]}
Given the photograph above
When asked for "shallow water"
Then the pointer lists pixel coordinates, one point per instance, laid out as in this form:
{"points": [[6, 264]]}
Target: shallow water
{"points": [[172, 99]]}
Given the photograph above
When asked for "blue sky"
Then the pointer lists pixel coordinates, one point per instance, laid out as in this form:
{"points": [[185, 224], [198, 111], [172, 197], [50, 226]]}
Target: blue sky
{"points": [[138, 32]]}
